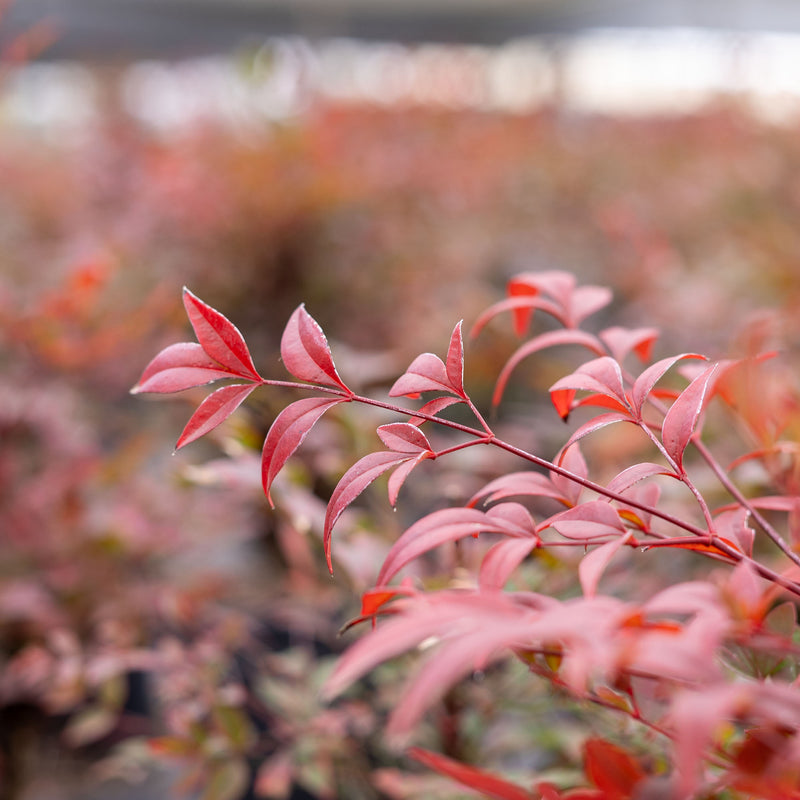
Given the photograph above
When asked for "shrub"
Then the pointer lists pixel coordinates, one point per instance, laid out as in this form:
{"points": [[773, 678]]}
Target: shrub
{"points": [[700, 663]]}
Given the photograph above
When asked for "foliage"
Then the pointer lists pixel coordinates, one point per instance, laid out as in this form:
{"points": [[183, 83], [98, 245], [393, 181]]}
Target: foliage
{"points": [[702, 669]]}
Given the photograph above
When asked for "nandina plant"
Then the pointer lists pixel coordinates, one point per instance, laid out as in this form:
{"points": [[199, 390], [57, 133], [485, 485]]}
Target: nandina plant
{"points": [[704, 668]]}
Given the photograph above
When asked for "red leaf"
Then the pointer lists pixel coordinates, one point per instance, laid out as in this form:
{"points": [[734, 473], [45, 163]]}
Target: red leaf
{"points": [[590, 520], [502, 559], [427, 373], [398, 477], [612, 770], [591, 426], [681, 419], [474, 778], [573, 461], [287, 433], [638, 472], [454, 364], [562, 401], [522, 306], [647, 380], [594, 564], [352, 483], [374, 600], [585, 300], [519, 483], [601, 375], [541, 342], [305, 351], [445, 525], [621, 341], [219, 337], [216, 408], [433, 407], [178, 367], [403, 437]]}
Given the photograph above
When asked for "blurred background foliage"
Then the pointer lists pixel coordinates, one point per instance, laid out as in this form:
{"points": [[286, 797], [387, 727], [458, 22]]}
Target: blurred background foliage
{"points": [[158, 625]]}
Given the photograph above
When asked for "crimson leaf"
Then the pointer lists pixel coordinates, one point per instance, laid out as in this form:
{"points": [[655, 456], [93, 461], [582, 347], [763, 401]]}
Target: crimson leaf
{"points": [[216, 408], [178, 367]]}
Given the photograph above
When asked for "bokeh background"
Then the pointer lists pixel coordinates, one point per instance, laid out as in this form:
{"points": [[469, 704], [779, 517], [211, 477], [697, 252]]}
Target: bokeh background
{"points": [[390, 165]]}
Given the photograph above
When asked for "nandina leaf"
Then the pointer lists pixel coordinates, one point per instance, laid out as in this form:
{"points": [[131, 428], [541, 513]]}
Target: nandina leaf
{"points": [[487, 784], [404, 469], [178, 367], [402, 437], [541, 342], [562, 401], [611, 769], [559, 285], [682, 418], [733, 525], [594, 564], [575, 463], [585, 301], [445, 525], [219, 337], [601, 375], [433, 407], [647, 380], [638, 472], [216, 408], [518, 483], [523, 307], [426, 373], [621, 341], [603, 421], [454, 364], [352, 483], [699, 547], [591, 520], [373, 600], [287, 433], [305, 351], [514, 517], [502, 559]]}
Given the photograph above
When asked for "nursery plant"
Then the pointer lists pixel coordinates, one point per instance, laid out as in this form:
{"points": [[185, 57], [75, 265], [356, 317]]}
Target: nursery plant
{"points": [[682, 542]]}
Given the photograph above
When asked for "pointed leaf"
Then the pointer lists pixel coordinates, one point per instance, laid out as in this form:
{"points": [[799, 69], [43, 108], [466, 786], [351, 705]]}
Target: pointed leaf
{"points": [[178, 367], [502, 559], [215, 409], [287, 433], [352, 483], [427, 373], [638, 472], [541, 342], [559, 285], [518, 483], [603, 421], [219, 337], [611, 769], [433, 407], [594, 564], [522, 306], [398, 477], [573, 461], [591, 520], [472, 777], [681, 419], [305, 351], [403, 437], [647, 380], [622, 341], [601, 375], [585, 301], [445, 525], [455, 361]]}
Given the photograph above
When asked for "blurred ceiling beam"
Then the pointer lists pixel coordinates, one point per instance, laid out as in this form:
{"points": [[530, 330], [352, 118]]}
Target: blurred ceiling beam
{"points": [[125, 29]]}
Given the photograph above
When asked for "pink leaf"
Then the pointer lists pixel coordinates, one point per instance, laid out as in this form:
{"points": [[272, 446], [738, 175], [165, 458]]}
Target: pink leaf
{"points": [[502, 559], [219, 337], [433, 407], [647, 380], [621, 341], [541, 342], [591, 426], [216, 408], [484, 782], [591, 520], [403, 437], [522, 306], [455, 361], [601, 375], [398, 477], [638, 472], [733, 525], [178, 367], [574, 462], [593, 564], [352, 483], [446, 525], [427, 373], [681, 419], [518, 483], [305, 351], [585, 301], [287, 433]]}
